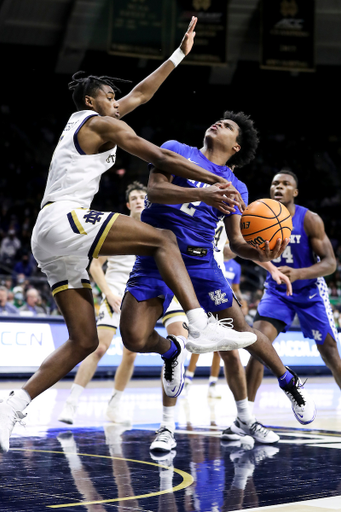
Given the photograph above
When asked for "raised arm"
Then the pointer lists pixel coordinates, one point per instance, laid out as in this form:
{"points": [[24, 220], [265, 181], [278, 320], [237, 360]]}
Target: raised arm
{"points": [[321, 246], [146, 89]]}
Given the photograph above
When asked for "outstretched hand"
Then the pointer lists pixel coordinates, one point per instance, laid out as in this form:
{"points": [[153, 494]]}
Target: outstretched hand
{"points": [[187, 42], [267, 255]]}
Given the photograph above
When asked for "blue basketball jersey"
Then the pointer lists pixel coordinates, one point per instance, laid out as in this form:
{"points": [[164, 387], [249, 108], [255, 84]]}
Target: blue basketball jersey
{"points": [[232, 271], [195, 223], [298, 254]]}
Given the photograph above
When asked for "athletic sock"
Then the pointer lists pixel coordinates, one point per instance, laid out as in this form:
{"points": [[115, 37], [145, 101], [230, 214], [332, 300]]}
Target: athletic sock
{"points": [[285, 379], [197, 317], [19, 400], [251, 406], [75, 393], [115, 398], [243, 411], [212, 381], [168, 414], [189, 376], [171, 352]]}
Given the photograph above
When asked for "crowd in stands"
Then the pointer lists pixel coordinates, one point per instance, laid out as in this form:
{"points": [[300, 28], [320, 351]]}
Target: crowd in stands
{"points": [[23, 287]]}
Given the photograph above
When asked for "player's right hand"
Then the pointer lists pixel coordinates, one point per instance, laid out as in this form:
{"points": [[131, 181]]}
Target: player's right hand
{"points": [[114, 301]]}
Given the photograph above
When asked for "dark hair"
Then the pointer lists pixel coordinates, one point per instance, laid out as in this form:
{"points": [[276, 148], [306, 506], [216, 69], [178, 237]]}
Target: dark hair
{"points": [[88, 85], [247, 138], [135, 185], [286, 170]]}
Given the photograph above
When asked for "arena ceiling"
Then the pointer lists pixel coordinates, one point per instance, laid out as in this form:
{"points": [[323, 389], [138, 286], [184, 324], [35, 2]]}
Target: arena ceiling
{"points": [[74, 26]]}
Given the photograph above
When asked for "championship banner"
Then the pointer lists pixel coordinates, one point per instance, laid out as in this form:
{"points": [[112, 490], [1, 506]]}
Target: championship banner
{"points": [[210, 47], [137, 28], [288, 35]]}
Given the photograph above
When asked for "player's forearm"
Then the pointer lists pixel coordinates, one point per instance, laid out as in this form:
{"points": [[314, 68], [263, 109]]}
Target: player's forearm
{"points": [[173, 163], [323, 268], [245, 251], [99, 278], [146, 89], [167, 193]]}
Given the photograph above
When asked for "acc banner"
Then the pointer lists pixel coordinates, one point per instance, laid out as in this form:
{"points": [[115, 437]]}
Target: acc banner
{"points": [[288, 35]]}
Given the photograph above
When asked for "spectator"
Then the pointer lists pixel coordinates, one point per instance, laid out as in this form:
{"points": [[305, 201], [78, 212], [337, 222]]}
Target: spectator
{"points": [[31, 307], [24, 266], [10, 245], [5, 307]]}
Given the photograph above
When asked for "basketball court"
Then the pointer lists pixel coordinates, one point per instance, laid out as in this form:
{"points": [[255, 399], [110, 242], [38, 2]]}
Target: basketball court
{"points": [[95, 465]]}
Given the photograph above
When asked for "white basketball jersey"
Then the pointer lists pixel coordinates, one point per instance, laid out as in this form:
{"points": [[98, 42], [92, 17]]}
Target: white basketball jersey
{"points": [[73, 175], [118, 269]]}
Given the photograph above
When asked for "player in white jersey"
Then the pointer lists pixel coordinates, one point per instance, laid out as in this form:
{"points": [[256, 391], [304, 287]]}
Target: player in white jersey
{"points": [[68, 233], [112, 284]]}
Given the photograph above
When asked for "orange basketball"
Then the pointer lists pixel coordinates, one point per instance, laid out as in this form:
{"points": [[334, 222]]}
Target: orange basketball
{"points": [[265, 219]]}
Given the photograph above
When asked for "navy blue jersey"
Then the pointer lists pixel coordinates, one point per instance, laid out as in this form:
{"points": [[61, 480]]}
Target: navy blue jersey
{"points": [[193, 223], [298, 254]]}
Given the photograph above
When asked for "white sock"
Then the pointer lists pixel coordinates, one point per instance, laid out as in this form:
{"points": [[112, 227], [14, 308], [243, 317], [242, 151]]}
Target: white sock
{"points": [[116, 398], [251, 406], [168, 415], [212, 380], [19, 399], [243, 411], [197, 317], [75, 393], [189, 376]]}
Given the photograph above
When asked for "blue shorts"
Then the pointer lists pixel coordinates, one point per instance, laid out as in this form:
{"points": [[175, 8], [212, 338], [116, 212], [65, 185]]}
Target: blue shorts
{"points": [[212, 289], [311, 305]]}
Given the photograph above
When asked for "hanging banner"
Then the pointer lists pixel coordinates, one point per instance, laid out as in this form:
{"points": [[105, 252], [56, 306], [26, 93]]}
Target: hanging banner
{"points": [[210, 46], [288, 35], [136, 28]]}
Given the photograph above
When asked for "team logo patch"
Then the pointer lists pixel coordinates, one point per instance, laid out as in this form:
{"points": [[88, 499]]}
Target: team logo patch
{"points": [[218, 297]]}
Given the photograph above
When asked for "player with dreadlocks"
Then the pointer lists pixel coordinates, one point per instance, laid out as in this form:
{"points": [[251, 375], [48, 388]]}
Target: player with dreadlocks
{"points": [[68, 233]]}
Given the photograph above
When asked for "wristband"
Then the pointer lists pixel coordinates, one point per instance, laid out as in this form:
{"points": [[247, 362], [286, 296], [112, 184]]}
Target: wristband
{"points": [[177, 56]]}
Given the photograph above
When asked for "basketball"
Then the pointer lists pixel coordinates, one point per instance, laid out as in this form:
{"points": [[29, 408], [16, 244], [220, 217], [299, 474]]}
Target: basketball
{"points": [[265, 219]]}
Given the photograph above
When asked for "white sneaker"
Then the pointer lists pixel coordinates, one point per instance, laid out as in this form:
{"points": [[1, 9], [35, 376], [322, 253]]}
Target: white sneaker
{"points": [[242, 443], [164, 441], [255, 430], [68, 413], [114, 413], [217, 335], [213, 392], [302, 405], [8, 418], [173, 369]]}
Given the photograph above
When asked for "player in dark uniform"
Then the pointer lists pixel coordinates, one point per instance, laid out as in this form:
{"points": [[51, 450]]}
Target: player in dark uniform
{"points": [[308, 257], [178, 204]]}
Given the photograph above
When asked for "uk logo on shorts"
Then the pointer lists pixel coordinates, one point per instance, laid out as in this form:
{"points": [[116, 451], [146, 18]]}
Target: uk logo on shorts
{"points": [[317, 335], [218, 297]]}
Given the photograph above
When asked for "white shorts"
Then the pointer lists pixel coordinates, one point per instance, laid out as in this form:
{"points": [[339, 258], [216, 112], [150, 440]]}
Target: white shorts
{"points": [[107, 318], [64, 239], [174, 313]]}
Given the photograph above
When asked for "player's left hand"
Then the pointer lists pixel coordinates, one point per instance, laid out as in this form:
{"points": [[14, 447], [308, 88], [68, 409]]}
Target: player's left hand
{"points": [[267, 255], [281, 278], [232, 194], [291, 273], [187, 42]]}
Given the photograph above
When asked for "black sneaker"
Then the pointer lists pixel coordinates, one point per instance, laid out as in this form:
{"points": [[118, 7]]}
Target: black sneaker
{"points": [[173, 369]]}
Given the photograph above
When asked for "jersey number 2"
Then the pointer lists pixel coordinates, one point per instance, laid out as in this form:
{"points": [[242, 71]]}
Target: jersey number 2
{"points": [[189, 208]]}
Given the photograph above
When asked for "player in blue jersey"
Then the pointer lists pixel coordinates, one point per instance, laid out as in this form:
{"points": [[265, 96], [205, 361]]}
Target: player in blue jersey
{"points": [[179, 204], [308, 257]]}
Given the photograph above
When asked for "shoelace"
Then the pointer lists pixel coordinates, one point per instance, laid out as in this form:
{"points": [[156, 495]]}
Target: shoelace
{"points": [[297, 397], [226, 322], [170, 364], [18, 417], [163, 434], [258, 427]]}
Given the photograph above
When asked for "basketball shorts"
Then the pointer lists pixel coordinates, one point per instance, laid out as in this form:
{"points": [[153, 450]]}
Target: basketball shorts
{"points": [[107, 318], [311, 305], [64, 239], [213, 291], [174, 313]]}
